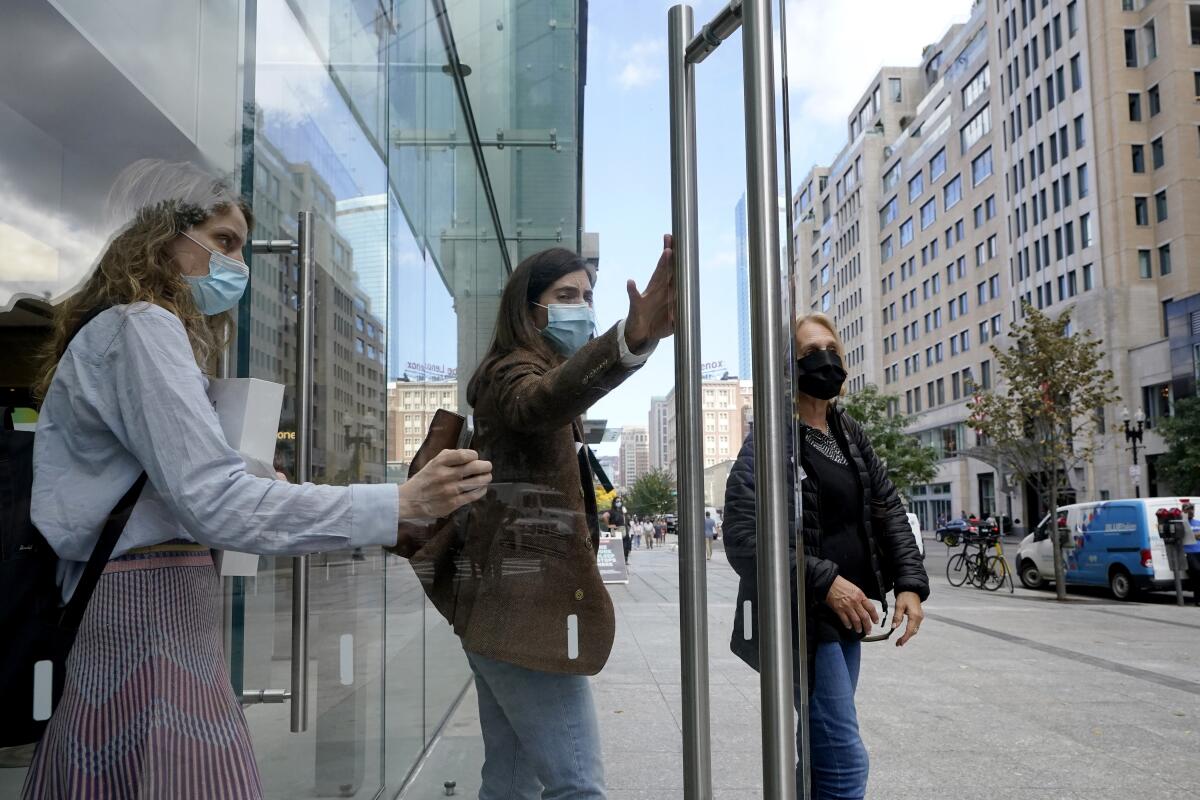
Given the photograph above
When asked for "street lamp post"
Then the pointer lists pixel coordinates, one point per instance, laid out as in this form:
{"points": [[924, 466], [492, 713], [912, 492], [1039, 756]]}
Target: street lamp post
{"points": [[1133, 435]]}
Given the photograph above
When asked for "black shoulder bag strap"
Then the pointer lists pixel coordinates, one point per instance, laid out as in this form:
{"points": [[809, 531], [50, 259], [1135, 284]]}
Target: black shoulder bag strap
{"points": [[114, 525]]}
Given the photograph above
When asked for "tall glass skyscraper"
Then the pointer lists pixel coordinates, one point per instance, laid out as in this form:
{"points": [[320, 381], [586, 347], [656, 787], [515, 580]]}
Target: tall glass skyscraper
{"points": [[745, 371]]}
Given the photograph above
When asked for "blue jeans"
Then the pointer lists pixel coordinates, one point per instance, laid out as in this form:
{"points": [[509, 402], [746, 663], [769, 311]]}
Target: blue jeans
{"points": [[540, 734], [838, 756]]}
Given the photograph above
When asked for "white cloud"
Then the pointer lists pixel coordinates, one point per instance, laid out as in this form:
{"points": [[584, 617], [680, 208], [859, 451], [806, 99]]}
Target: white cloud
{"points": [[641, 63], [835, 48]]}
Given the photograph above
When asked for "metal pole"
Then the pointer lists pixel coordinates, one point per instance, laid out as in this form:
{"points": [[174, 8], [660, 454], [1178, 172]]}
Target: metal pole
{"points": [[304, 403], [801, 608], [770, 412], [693, 603]]}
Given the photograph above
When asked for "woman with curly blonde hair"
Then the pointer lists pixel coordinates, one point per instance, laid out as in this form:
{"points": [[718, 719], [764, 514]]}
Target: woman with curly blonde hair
{"points": [[147, 709]]}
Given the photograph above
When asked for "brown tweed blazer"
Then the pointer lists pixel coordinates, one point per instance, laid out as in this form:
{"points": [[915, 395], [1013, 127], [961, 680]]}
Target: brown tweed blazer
{"points": [[528, 591]]}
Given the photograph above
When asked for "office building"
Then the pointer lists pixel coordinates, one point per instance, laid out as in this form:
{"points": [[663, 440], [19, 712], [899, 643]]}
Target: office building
{"points": [[411, 405], [1052, 163], [725, 408], [659, 432], [742, 265], [635, 454]]}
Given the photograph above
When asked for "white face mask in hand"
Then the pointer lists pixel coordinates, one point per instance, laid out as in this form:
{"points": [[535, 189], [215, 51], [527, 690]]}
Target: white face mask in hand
{"points": [[570, 326]]}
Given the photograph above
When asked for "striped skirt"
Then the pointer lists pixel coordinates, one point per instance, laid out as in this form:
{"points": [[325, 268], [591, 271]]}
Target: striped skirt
{"points": [[147, 710]]}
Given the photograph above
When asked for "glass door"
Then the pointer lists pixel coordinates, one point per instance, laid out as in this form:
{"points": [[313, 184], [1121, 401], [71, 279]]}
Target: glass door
{"points": [[318, 120]]}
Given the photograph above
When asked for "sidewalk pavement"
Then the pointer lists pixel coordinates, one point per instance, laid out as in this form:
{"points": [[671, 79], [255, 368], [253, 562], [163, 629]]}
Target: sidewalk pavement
{"points": [[1002, 695]]}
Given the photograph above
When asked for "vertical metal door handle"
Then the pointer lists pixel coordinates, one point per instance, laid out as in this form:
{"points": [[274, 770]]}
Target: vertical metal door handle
{"points": [[304, 409], [303, 248], [693, 616]]}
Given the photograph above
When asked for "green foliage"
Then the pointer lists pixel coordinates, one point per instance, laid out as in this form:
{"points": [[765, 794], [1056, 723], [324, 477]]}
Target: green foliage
{"points": [[908, 462], [651, 495], [1180, 467], [1043, 422]]}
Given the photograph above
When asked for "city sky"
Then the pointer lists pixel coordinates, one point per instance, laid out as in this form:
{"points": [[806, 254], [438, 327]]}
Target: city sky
{"points": [[835, 48]]}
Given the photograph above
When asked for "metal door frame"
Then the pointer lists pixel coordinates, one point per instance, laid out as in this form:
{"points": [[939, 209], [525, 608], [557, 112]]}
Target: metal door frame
{"points": [[772, 353]]}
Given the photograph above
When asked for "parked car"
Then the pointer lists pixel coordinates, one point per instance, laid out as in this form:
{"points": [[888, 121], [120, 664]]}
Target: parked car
{"points": [[952, 532], [915, 524], [1113, 543]]}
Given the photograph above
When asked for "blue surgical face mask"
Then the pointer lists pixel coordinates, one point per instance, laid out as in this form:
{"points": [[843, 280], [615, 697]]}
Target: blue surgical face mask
{"points": [[570, 326], [223, 286]]}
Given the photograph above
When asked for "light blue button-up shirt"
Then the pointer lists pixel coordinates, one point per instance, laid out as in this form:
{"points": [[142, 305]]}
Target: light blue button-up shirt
{"points": [[128, 396]]}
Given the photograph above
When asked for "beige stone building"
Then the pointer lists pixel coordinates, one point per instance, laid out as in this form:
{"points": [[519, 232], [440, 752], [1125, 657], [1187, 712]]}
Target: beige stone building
{"points": [[411, 405], [1044, 152], [727, 413], [659, 431], [634, 454]]}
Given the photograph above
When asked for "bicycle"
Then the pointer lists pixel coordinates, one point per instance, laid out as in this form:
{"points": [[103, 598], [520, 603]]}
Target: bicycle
{"points": [[979, 569]]}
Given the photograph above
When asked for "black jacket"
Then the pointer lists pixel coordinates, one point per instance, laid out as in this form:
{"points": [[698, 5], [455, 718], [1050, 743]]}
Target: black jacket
{"points": [[895, 558]]}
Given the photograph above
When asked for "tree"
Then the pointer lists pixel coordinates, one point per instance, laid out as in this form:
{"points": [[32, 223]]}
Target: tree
{"points": [[604, 499], [1180, 467], [651, 495], [908, 462], [1043, 424]]}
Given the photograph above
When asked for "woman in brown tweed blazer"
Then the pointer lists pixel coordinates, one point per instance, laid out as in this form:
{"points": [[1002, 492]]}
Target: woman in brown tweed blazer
{"points": [[534, 616]]}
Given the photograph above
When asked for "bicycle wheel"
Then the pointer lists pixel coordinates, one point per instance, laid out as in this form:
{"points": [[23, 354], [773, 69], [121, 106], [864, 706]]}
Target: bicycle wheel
{"points": [[995, 573], [974, 566], [956, 569]]}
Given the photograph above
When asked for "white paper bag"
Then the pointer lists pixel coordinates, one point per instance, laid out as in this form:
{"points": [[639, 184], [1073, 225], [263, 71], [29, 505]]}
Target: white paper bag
{"points": [[248, 409]]}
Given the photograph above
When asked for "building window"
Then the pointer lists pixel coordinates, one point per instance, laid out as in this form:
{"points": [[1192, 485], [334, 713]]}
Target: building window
{"points": [[1153, 101], [1141, 215], [1139, 157], [1151, 38], [937, 165], [981, 167], [979, 126], [1160, 206], [888, 213], [1164, 260], [891, 177], [1156, 153], [1135, 107], [894, 90], [916, 186], [1085, 231], [906, 232], [1194, 23], [1144, 270], [977, 87], [885, 249], [952, 194], [928, 214], [1196, 82], [1072, 19], [1079, 137], [1131, 50], [1081, 181], [1087, 277]]}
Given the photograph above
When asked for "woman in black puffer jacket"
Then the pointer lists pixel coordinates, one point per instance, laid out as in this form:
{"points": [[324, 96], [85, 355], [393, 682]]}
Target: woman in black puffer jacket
{"points": [[857, 546]]}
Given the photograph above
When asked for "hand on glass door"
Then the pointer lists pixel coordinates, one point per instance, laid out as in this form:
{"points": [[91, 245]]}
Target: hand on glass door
{"points": [[450, 481], [652, 313]]}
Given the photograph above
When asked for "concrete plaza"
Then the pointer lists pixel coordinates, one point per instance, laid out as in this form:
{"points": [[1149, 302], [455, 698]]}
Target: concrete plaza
{"points": [[1001, 695]]}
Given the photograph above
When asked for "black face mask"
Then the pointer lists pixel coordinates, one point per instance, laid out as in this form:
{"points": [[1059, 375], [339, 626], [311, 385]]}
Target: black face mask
{"points": [[820, 374]]}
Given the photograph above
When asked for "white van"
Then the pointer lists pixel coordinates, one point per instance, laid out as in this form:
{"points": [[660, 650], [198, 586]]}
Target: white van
{"points": [[1114, 543]]}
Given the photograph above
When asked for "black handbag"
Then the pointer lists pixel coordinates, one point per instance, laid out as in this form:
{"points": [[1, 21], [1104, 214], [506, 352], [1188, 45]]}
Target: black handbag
{"points": [[37, 630]]}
